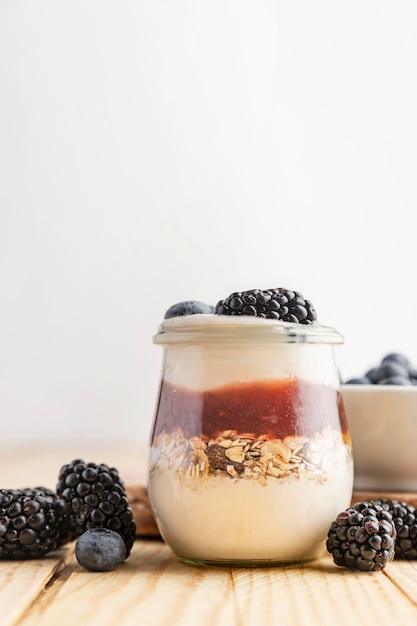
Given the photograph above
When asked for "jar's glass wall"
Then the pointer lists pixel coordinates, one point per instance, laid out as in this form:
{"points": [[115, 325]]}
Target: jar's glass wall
{"points": [[250, 456]]}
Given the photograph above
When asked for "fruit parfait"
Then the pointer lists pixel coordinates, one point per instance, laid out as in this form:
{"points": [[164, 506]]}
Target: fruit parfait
{"points": [[250, 456]]}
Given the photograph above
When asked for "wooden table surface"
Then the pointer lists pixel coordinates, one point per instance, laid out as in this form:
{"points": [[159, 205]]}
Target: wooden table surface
{"points": [[152, 588]]}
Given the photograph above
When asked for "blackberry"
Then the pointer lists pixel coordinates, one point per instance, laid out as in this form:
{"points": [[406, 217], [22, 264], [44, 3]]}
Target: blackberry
{"points": [[404, 517], [31, 523], [188, 307], [94, 497], [281, 304], [362, 537]]}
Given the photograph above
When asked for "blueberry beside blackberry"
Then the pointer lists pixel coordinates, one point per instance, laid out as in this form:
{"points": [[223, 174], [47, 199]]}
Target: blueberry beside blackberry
{"points": [[362, 537], [188, 307], [100, 550], [94, 497], [31, 523], [281, 304]]}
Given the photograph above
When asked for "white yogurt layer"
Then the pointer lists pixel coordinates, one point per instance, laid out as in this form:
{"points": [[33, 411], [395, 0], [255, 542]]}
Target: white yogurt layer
{"points": [[246, 520], [208, 351]]}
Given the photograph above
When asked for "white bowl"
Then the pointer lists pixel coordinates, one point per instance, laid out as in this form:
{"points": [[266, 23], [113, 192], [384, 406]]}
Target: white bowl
{"points": [[383, 426]]}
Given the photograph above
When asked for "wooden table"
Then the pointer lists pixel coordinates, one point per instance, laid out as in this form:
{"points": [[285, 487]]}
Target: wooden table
{"points": [[153, 588]]}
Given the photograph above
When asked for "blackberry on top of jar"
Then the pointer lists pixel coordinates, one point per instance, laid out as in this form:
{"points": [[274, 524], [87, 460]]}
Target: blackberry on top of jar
{"points": [[278, 303]]}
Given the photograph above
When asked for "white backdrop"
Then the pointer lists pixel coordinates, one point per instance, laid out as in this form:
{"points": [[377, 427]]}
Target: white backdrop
{"points": [[154, 151]]}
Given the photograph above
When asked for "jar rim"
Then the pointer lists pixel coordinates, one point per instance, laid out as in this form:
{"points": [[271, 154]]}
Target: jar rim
{"points": [[209, 328]]}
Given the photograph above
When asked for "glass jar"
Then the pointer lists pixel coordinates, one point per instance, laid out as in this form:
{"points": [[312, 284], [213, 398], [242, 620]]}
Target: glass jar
{"points": [[250, 455]]}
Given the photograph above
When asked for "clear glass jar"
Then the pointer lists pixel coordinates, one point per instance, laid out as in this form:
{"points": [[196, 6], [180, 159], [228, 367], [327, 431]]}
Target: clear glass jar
{"points": [[250, 455]]}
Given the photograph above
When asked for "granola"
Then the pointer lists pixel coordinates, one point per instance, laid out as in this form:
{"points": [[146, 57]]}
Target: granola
{"points": [[244, 455]]}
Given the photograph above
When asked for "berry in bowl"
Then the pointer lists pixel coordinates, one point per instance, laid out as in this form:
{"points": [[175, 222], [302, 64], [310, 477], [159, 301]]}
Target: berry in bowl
{"points": [[381, 409]]}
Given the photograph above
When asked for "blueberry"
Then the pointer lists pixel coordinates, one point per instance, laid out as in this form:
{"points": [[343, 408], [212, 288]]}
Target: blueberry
{"points": [[394, 380], [362, 380], [372, 374], [390, 369], [397, 357], [100, 550], [188, 307], [393, 369]]}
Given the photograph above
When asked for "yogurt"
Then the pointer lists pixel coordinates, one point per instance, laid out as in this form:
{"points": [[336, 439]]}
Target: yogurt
{"points": [[250, 456]]}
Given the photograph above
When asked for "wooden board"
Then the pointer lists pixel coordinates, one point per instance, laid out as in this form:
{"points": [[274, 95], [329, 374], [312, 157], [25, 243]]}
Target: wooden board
{"points": [[400, 496], [153, 588], [138, 498]]}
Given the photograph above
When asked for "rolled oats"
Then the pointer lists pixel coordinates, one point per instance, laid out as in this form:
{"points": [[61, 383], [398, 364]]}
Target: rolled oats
{"points": [[243, 455]]}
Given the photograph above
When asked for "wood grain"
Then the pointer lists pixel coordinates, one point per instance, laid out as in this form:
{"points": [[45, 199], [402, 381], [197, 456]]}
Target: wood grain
{"points": [[152, 587], [138, 499], [320, 593], [21, 583], [401, 496]]}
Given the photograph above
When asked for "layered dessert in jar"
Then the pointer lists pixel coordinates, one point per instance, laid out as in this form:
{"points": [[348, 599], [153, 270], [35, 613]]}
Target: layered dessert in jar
{"points": [[250, 456]]}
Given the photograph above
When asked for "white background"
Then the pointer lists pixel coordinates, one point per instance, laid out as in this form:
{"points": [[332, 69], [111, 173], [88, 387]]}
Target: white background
{"points": [[154, 151]]}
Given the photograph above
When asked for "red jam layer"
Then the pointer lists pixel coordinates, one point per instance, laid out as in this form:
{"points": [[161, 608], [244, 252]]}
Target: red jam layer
{"points": [[273, 408]]}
